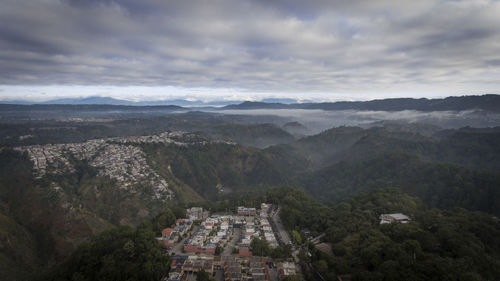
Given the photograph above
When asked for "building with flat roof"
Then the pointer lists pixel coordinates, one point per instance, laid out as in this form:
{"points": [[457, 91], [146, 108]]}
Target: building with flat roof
{"points": [[243, 211], [286, 269], [392, 218]]}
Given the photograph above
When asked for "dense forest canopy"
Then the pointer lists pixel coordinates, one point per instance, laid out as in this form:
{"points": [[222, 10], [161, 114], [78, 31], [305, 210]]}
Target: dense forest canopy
{"points": [[436, 245]]}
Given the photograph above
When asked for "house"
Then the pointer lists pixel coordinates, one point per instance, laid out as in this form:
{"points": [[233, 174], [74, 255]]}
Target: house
{"points": [[195, 213], [244, 252], [243, 211], [232, 270], [195, 265], [176, 267], [286, 269], [257, 270], [392, 218], [165, 233], [197, 249]]}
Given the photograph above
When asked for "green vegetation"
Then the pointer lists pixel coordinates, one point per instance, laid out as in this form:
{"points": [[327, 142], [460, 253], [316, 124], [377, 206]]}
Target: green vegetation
{"points": [[126, 121], [436, 245], [42, 221], [163, 220], [205, 167], [261, 248], [202, 275], [122, 253], [441, 185], [42, 225], [256, 135]]}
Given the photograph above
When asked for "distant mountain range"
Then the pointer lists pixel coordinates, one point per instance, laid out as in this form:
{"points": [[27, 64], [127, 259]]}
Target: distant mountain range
{"points": [[484, 102], [113, 101]]}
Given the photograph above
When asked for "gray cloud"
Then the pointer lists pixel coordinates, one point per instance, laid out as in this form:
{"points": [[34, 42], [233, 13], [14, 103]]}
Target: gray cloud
{"points": [[281, 46]]}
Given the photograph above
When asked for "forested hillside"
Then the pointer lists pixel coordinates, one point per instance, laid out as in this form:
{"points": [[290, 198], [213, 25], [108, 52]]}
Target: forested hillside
{"points": [[441, 185], [122, 253], [435, 245], [215, 169], [473, 148], [451, 169]]}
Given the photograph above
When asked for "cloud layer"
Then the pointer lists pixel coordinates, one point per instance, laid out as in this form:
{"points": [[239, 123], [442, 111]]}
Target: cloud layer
{"points": [[343, 46]]}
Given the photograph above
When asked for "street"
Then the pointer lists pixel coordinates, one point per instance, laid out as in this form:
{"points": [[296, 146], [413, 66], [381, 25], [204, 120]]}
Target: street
{"points": [[179, 246], [280, 229], [235, 237]]}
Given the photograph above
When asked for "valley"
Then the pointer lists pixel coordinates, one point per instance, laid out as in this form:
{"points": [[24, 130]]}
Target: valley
{"points": [[64, 183]]}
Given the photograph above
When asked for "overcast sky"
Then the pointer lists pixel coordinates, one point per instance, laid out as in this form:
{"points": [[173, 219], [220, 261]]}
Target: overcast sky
{"points": [[329, 50]]}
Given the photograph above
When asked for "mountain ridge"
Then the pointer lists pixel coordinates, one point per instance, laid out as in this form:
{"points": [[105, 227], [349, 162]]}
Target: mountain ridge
{"points": [[487, 102]]}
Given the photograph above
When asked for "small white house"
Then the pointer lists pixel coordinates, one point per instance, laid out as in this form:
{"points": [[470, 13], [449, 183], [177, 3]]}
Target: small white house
{"points": [[392, 218]]}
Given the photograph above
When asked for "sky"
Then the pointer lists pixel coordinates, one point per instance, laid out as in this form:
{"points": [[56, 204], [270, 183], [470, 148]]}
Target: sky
{"points": [[248, 50]]}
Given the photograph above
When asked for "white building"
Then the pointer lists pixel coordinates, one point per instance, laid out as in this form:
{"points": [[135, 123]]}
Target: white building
{"points": [[392, 218]]}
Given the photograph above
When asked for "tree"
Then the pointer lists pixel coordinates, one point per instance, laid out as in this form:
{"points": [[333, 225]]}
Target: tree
{"points": [[121, 253], [202, 275], [296, 237], [218, 250], [260, 247], [164, 219]]}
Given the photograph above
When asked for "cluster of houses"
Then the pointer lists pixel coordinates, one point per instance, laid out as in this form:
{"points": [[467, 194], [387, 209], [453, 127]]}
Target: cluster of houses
{"points": [[124, 163], [172, 235], [217, 230], [48, 158], [234, 268], [245, 268], [165, 137], [177, 138], [257, 227], [182, 265], [214, 231]]}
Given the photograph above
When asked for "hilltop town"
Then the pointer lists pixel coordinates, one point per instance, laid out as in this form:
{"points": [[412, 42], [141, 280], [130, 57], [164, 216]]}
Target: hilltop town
{"points": [[119, 158]]}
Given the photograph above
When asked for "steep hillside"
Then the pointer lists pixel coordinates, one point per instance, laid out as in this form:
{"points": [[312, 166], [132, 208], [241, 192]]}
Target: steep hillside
{"points": [[437, 184], [42, 221], [121, 253], [215, 169], [256, 135], [476, 149]]}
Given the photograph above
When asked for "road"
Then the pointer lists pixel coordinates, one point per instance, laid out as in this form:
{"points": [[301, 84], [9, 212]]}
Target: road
{"points": [[280, 229], [179, 246], [235, 237], [285, 238]]}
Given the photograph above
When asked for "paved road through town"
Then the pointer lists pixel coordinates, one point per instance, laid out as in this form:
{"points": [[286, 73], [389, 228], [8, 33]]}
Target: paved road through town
{"points": [[235, 237], [285, 238], [179, 247], [280, 229]]}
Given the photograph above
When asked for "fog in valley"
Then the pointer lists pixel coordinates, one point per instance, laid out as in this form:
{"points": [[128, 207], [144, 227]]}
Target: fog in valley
{"points": [[316, 121]]}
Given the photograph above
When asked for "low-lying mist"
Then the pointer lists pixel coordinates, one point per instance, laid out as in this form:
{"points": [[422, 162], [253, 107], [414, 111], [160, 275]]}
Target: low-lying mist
{"points": [[319, 120]]}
